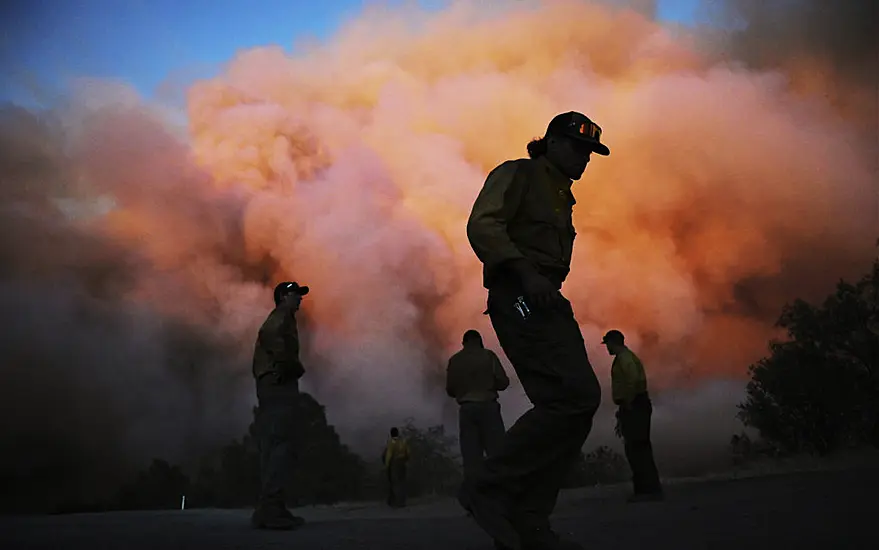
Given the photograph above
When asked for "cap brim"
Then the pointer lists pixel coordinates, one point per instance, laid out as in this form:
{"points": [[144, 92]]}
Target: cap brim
{"points": [[601, 149], [597, 148], [303, 290]]}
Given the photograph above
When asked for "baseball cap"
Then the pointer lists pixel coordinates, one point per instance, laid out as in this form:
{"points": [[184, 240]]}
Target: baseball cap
{"points": [[287, 287], [578, 126], [613, 337]]}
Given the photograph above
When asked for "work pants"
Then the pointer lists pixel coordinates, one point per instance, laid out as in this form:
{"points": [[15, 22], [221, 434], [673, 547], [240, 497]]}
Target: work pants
{"points": [[275, 431], [480, 432], [635, 428], [549, 355], [396, 483]]}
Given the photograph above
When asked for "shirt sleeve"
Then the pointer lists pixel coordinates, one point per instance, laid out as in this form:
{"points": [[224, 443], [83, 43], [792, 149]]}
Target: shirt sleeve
{"points": [[495, 205], [280, 338], [273, 337], [501, 380], [624, 377], [450, 380]]}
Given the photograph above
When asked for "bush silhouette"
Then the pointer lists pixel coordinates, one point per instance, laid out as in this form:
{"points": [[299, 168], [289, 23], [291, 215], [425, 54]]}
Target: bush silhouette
{"points": [[601, 465], [433, 467], [325, 471], [819, 390]]}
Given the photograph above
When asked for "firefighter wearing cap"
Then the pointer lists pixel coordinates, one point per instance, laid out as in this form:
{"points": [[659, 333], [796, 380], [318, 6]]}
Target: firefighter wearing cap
{"points": [[277, 370], [629, 390], [474, 376], [521, 229]]}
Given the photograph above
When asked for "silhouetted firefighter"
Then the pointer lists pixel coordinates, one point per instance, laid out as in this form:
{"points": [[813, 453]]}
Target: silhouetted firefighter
{"points": [[277, 370], [521, 228], [629, 388], [396, 459], [474, 377]]}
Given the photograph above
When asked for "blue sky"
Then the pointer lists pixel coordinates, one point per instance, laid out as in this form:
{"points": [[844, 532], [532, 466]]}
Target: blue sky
{"points": [[144, 42]]}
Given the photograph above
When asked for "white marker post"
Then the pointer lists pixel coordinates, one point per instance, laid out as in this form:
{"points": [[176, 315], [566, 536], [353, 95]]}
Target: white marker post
{"points": [[183, 503]]}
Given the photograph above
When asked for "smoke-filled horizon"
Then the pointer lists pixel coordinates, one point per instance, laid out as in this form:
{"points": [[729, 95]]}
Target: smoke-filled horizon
{"points": [[139, 256]]}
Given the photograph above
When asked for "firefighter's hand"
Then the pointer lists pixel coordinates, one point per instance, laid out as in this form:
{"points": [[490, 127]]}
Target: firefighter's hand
{"points": [[539, 291]]}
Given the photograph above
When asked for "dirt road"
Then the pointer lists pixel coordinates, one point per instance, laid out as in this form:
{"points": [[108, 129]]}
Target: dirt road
{"points": [[823, 510]]}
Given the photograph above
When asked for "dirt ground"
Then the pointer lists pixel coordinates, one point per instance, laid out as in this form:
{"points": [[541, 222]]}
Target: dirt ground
{"points": [[829, 510]]}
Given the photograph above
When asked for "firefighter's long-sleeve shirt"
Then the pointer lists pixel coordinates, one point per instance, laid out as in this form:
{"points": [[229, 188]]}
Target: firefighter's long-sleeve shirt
{"points": [[524, 211], [628, 378], [277, 345], [397, 449], [475, 374]]}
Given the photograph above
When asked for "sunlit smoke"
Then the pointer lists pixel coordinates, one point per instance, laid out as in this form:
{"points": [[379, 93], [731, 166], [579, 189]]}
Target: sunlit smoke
{"points": [[352, 167]]}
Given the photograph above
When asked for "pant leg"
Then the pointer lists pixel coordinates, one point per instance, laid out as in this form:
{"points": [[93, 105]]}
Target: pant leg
{"points": [[631, 451], [646, 460], [392, 498], [276, 418], [549, 355], [539, 499], [491, 427], [469, 421], [401, 484], [639, 450], [397, 482]]}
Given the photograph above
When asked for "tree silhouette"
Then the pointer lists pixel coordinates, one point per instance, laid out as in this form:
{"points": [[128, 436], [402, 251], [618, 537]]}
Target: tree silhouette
{"points": [[325, 471], [819, 390]]}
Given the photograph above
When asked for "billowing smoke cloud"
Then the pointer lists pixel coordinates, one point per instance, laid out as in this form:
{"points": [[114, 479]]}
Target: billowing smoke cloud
{"points": [[112, 353], [138, 259], [826, 50]]}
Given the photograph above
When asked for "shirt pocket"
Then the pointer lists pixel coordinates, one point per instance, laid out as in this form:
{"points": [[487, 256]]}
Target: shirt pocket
{"points": [[543, 230]]}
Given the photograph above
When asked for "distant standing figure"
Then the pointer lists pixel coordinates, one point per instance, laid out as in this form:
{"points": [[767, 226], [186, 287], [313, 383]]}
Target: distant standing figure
{"points": [[629, 388], [277, 370], [396, 458], [474, 377]]}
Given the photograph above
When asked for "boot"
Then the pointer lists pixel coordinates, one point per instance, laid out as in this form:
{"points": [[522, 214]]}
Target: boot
{"points": [[489, 515], [297, 520], [275, 518]]}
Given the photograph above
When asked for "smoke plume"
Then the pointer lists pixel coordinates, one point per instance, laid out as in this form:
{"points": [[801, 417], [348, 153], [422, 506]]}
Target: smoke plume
{"points": [[138, 256]]}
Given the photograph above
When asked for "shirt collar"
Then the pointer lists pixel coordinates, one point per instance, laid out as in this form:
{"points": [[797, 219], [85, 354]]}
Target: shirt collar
{"points": [[558, 179]]}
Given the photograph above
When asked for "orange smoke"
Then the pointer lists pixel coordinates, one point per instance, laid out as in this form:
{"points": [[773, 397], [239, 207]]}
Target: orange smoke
{"points": [[352, 167], [363, 158]]}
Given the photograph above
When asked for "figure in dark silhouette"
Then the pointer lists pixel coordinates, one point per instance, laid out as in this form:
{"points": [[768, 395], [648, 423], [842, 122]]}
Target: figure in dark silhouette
{"points": [[396, 459], [629, 388], [277, 370], [474, 377], [521, 228]]}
